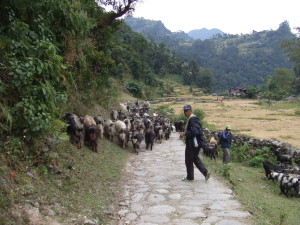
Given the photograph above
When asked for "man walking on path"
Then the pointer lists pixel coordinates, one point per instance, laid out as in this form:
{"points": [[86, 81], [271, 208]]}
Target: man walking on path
{"points": [[194, 141], [225, 140]]}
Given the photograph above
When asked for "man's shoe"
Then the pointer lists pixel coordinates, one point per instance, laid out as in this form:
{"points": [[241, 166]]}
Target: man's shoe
{"points": [[207, 176], [186, 179]]}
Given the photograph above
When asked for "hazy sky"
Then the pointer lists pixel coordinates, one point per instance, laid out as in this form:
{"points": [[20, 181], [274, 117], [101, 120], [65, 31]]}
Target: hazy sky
{"points": [[230, 16]]}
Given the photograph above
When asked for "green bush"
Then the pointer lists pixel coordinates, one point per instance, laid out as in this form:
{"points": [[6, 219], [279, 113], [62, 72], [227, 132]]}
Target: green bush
{"points": [[199, 113], [180, 116], [165, 110], [240, 153], [4, 199], [297, 113], [256, 161], [34, 90], [225, 170], [245, 153], [43, 170], [134, 88]]}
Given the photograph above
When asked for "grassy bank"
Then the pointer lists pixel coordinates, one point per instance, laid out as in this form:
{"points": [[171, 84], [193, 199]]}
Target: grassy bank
{"points": [[258, 195], [85, 186]]}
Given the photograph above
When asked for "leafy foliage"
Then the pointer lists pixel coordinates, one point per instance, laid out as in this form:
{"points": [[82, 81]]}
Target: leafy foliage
{"points": [[199, 113], [156, 58], [48, 62], [31, 86], [166, 110], [251, 92], [292, 47], [245, 153], [202, 77], [134, 88], [278, 86], [224, 170]]}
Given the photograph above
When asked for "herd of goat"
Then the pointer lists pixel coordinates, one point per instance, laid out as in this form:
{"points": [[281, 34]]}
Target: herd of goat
{"points": [[287, 176], [136, 125]]}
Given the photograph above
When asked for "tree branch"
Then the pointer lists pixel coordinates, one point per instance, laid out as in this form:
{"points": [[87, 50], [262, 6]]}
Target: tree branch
{"points": [[120, 8]]}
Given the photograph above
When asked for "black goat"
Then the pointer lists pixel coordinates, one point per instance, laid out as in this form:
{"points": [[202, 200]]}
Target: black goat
{"points": [[179, 125], [167, 131], [136, 139], [75, 129], [269, 167], [92, 137], [149, 138], [282, 158]]}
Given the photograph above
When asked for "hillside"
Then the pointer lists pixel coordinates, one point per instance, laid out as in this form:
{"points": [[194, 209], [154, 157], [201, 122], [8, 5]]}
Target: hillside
{"points": [[205, 33], [156, 31], [235, 60]]}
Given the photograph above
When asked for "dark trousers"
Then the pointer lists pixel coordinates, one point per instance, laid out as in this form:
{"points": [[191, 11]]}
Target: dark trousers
{"points": [[192, 157]]}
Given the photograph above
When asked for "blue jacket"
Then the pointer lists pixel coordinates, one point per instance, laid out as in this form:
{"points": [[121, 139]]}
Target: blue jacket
{"points": [[225, 139], [194, 129]]}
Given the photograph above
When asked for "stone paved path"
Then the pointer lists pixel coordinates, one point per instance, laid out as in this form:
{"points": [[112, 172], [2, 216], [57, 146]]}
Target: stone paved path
{"points": [[155, 194]]}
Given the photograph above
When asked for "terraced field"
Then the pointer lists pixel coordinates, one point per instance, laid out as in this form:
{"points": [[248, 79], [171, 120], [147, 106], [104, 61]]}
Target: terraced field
{"points": [[249, 118]]}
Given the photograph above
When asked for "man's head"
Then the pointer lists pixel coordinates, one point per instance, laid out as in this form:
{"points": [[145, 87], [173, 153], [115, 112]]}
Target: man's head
{"points": [[228, 127], [187, 109]]}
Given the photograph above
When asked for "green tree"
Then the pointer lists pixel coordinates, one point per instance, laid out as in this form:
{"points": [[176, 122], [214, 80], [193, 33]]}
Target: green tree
{"points": [[292, 47], [205, 79], [251, 92], [283, 79], [51, 48]]}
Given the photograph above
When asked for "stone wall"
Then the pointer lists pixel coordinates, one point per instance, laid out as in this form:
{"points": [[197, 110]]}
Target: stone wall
{"points": [[284, 148], [182, 99]]}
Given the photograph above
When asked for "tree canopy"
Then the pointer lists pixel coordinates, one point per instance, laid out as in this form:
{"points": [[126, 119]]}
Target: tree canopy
{"points": [[59, 52]]}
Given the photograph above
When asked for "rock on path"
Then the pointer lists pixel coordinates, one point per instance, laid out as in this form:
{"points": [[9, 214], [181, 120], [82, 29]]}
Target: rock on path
{"points": [[154, 193]]}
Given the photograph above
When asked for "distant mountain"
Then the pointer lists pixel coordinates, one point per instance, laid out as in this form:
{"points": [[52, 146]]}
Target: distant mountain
{"points": [[241, 60], [156, 31], [235, 60], [204, 33]]}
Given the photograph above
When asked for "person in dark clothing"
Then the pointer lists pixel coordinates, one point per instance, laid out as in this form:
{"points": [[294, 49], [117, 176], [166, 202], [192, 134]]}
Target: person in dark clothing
{"points": [[225, 140], [137, 103], [194, 141]]}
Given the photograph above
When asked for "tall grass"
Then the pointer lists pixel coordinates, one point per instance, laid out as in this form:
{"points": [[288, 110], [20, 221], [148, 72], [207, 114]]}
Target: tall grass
{"points": [[258, 195], [297, 113]]}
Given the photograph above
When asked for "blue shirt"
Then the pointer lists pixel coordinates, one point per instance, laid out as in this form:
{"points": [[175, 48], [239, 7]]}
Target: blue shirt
{"points": [[225, 139]]}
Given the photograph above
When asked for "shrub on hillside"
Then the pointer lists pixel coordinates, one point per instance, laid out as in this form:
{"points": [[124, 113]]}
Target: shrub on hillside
{"points": [[246, 153], [199, 113], [166, 111], [134, 88]]}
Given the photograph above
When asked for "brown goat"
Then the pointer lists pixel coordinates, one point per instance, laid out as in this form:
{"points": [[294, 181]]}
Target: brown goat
{"points": [[91, 132]]}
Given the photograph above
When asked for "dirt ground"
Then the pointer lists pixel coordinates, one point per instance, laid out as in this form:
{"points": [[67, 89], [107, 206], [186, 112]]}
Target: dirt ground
{"points": [[246, 117]]}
